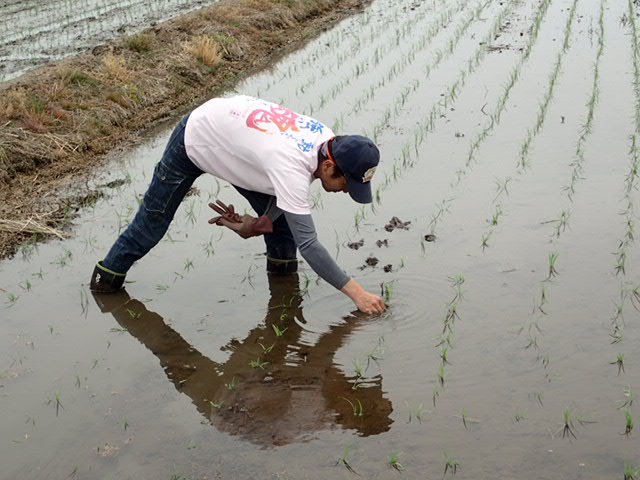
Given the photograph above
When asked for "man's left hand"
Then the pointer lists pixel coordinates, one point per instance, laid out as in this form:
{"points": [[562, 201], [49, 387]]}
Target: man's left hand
{"points": [[246, 226]]}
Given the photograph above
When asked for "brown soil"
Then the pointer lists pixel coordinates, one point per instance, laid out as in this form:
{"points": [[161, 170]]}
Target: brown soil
{"points": [[60, 121]]}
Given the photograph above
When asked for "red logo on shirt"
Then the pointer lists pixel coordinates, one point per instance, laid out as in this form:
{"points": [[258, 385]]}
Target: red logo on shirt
{"points": [[283, 118]]}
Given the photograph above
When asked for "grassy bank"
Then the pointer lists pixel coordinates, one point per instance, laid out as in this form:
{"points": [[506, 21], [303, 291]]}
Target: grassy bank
{"points": [[60, 120]]}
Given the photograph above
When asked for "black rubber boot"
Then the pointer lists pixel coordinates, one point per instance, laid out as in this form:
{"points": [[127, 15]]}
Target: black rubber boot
{"points": [[104, 280], [282, 267]]}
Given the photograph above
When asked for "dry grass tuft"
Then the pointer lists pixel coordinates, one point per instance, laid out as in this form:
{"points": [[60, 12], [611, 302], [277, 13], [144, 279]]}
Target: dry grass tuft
{"points": [[115, 67], [204, 49]]}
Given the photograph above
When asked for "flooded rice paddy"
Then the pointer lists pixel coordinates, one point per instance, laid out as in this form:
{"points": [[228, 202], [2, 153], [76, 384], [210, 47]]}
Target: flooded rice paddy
{"points": [[34, 33], [509, 133]]}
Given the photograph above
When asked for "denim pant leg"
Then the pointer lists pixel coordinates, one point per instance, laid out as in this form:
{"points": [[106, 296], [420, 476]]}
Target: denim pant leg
{"points": [[172, 179], [281, 246]]}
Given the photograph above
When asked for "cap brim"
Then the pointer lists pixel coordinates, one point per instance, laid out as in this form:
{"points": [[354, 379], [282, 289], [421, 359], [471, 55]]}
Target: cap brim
{"points": [[360, 192]]}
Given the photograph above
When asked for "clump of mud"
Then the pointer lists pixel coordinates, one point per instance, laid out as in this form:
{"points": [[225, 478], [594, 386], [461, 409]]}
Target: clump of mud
{"points": [[356, 245], [395, 223]]}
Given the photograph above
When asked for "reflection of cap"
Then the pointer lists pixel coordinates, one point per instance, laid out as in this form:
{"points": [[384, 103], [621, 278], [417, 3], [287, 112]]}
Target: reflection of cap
{"points": [[357, 157]]}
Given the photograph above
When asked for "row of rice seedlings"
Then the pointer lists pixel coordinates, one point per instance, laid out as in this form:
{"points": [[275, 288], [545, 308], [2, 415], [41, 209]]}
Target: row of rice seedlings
{"points": [[404, 60], [578, 163], [451, 465], [445, 342], [562, 221], [617, 323], [326, 49], [553, 78], [494, 117], [393, 109], [424, 126], [427, 124], [422, 43]]}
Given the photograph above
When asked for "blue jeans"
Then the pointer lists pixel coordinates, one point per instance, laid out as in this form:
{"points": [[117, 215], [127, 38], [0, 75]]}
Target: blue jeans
{"points": [[172, 179]]}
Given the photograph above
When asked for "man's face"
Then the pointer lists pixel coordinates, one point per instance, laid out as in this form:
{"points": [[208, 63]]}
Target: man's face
{"points": [[330, 182]]}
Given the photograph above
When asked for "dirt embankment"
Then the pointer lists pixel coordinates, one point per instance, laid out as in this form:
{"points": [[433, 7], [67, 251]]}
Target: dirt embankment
{"points": [[59, 121]]}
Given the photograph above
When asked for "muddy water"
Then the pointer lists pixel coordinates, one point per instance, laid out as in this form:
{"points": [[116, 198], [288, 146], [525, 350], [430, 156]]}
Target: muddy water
{"points": [[34, 33], [171, 380]]}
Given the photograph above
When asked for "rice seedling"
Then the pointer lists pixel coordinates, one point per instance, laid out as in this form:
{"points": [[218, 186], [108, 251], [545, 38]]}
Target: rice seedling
{"points": [[628, 422], [25, 285], [217, 405], [64, 258], [485, 240], [395, 463], [631, 472], [358, 409], [442, 375], [386, 291], [520, 416], [417, 412], [267, 349], [12, 298], [553, 257], [568, 428], [631, 396], [278, 331], [161, 287], [538, 397], [543, 300], [344, 460], [39, 274], [257, 363], [502, 187], [450, 465], [231, 386], [444, 352], [495, 218], [619, 362], [249, 276], [208, 247], [616, 333], [57, 402], [621, 258], [84, 301]]}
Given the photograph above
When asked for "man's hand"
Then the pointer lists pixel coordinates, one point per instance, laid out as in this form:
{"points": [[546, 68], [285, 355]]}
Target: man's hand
{"points": [[246, 226], [365, 301]]}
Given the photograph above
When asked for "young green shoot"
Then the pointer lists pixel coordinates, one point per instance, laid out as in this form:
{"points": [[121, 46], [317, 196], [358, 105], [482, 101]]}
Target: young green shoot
{"points": [[619, 362], [553, 257], [631, 472], [520, 416], [394, 463], [629, 422], [231, 386], [631, 396], [278, 331], [258, 364], [450, 465], [344, 460], [417, 412], [267, 349], [358, 409]]}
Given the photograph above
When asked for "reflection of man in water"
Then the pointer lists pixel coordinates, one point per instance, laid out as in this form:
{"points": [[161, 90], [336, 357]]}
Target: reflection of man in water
{"points": [[300, 390]]}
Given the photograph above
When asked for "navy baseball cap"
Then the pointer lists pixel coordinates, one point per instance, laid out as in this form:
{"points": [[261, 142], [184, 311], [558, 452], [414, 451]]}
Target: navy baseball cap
{"points": [[357, 157]]}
